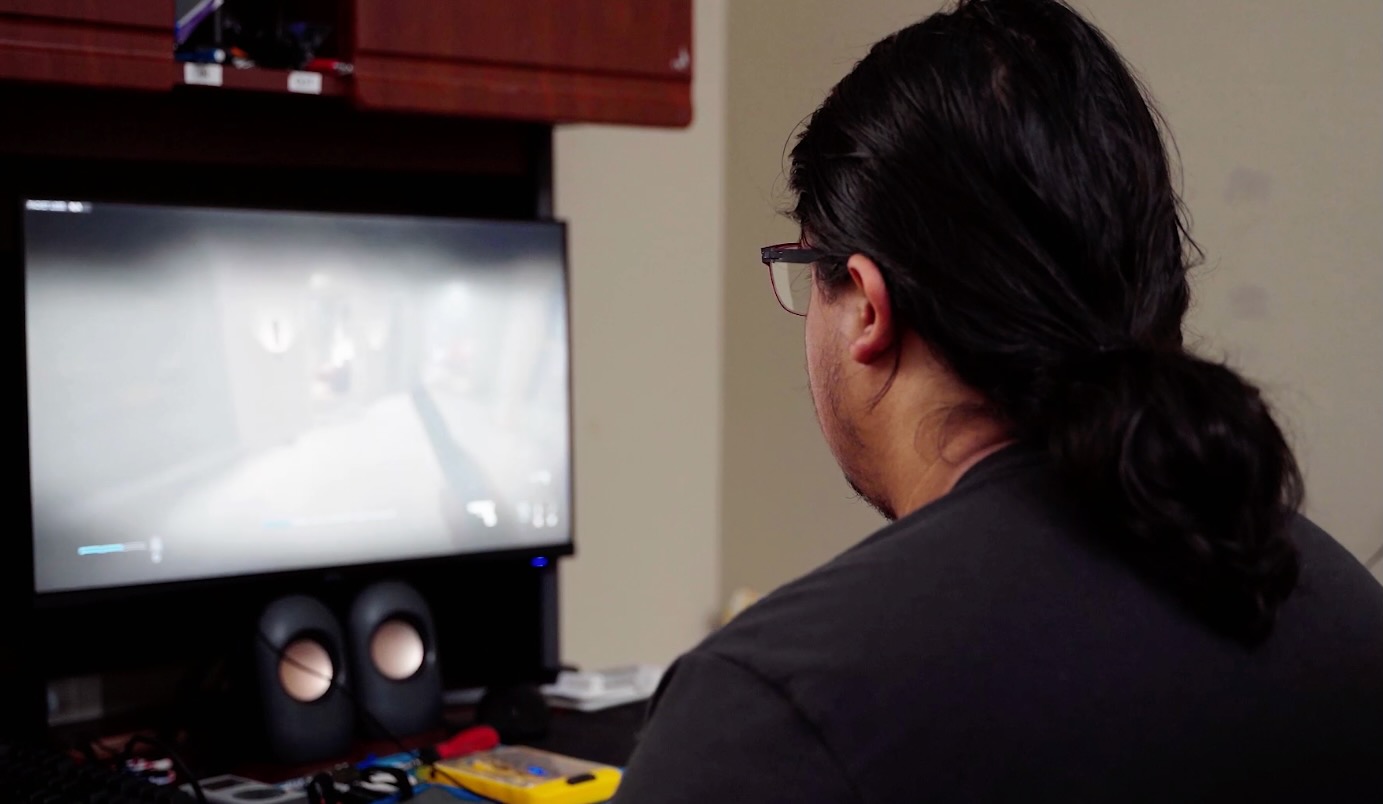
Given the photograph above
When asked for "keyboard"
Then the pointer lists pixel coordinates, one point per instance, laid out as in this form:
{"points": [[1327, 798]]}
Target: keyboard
{"points": [[45, 776]]}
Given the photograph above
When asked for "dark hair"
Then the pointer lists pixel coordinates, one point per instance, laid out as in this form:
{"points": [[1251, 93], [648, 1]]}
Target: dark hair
{"points": [[1001, 165]]}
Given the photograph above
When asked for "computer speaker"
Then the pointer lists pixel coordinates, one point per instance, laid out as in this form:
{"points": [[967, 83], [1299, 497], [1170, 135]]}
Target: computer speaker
{"points": [[393, 648], [301, 669]]}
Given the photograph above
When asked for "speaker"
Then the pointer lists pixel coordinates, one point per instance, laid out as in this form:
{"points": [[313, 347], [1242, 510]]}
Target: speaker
{"points": [[301, 670], [393, 649]]}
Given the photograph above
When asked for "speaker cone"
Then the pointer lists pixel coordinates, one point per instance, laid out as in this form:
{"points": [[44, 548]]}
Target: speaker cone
{"points": [[397, 650], [305, 670]]}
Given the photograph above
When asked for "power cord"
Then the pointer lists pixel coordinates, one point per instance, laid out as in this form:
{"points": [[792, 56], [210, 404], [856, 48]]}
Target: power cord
{"points": [[367, 715], [153, 742]]}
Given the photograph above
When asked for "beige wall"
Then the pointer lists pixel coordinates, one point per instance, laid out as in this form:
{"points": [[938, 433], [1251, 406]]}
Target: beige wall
{"points": [[646, 209], [1276, 105], [785, 508]]}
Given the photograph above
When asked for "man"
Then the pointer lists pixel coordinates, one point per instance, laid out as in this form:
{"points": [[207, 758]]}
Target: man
{"points": [[1097, 586]]}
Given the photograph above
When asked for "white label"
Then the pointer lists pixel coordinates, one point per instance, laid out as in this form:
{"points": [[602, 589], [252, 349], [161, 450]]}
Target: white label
{"points": [[207, 75], [305, 82]]}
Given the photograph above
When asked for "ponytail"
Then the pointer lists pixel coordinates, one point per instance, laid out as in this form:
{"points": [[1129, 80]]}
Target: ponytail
{"points": [[1185, 464]]}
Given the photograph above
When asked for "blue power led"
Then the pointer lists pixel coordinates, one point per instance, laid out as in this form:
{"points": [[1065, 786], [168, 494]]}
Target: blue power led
{"points": [[539, 562]]}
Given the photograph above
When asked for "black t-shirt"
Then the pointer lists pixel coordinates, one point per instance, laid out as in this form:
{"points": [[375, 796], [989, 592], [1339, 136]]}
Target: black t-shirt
{"points": [[988, 648]]}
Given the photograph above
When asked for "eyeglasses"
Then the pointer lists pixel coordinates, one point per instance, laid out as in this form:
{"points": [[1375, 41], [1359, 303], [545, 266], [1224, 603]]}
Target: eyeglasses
{"points": [[790, 272]]}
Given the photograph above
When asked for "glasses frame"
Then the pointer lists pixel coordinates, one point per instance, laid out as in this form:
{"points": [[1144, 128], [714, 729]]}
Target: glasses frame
{"points": [[795, 253]]}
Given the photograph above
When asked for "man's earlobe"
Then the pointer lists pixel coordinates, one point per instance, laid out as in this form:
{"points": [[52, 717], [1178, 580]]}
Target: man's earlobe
{"points": [[874, 334]]}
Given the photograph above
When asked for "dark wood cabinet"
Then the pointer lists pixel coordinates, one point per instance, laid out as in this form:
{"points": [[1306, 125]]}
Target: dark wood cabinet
{"points": [[558, 60], [546, 61], [120, 45]]}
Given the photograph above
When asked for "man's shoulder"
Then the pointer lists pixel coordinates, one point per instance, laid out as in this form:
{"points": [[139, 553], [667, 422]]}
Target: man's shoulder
{"points": [[1334, 587], [957, 562]]}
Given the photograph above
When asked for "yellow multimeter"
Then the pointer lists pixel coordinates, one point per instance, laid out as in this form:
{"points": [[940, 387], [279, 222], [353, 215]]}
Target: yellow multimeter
{"points": [[518, 775]]}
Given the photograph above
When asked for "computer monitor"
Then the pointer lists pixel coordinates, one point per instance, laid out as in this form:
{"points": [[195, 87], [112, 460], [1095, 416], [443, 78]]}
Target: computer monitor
{"points": [[218, 392]]}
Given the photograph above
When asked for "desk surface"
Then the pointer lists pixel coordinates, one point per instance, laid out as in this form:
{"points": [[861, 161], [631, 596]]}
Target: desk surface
{"points": [[607, 737]]}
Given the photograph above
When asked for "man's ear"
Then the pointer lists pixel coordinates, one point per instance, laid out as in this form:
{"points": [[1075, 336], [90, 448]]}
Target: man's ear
{"points": [[871, 331]]}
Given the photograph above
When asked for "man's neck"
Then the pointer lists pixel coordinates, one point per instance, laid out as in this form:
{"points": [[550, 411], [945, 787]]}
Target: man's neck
{"points": [[958, 455], [923, 459]]}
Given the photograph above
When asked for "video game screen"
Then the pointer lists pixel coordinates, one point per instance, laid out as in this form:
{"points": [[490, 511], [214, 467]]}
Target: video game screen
{"points": [[218, 392]]}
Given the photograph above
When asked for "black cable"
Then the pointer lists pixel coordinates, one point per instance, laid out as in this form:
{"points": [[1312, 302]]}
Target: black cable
{"points": [[106, 755], [111, 753], [155, 743], [454, 781], [87, 748], [322, 790], [366, 714]]}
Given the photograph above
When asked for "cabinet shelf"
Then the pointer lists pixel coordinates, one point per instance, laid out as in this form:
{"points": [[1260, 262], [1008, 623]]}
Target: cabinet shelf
{"points": [[538, 61], [259, 79]]}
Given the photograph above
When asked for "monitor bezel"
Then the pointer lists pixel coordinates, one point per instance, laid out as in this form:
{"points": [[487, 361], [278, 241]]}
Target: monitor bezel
{"points": [[297, 577]]}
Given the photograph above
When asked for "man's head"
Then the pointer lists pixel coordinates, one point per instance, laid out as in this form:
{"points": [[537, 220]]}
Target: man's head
{"points": [[995, 251], [871, 380], [991, 201], [836, 332]]}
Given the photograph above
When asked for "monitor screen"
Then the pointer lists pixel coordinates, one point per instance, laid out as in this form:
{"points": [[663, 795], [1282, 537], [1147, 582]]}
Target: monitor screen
{"points": [[218, 392]]}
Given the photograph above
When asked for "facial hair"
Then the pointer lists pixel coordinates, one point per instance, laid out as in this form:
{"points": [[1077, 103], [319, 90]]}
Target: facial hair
{"points": [[845, 441]]}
